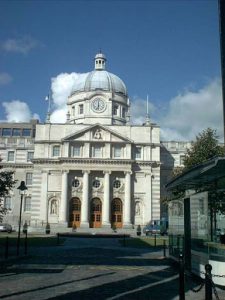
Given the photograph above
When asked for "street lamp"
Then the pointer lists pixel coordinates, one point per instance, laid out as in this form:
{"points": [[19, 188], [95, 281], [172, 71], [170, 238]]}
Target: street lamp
{"points": [[22, 189]]}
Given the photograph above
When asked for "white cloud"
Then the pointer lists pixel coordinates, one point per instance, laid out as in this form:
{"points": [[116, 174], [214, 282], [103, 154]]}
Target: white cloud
{"points": [[62, 87], [191, 112], [18, 111], [5, 78], [20, 45]]}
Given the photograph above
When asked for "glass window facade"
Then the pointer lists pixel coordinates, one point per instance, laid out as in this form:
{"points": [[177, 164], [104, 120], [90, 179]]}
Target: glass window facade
{"points": [[97, 151], [117, 151], [6, 132], [30, 155], [26, 132], [137, 152], [16, 132]]}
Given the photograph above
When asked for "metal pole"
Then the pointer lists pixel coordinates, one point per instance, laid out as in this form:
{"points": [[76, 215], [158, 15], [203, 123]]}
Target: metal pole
{"points": [[208, 282], [18, 239], [25, 244], [181, 278], [6, 247], [164, 248]]}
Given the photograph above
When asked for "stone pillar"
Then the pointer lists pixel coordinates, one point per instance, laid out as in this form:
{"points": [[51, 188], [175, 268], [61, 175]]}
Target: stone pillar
{"points": [[44, 196], [106, 204], [84, 206], [64, 199], [127, 201]]}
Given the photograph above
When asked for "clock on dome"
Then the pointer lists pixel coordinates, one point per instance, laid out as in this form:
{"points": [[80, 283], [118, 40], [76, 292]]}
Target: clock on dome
{"points": [[98, 105]]}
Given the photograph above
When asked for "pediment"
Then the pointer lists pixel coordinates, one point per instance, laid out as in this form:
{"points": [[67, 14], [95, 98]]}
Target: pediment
{"points": [[97, 133]]}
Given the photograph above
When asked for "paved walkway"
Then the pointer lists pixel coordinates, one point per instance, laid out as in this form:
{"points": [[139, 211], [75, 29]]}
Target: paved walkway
{"points": [[93, 269]]}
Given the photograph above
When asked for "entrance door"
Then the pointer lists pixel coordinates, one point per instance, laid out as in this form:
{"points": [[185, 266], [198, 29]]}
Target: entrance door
{"points": [[75, 212], [117, 213], [96, 213]]}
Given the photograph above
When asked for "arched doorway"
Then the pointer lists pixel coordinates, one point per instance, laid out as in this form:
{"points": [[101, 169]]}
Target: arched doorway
{"points": [[117, 213], [96, 213], [75, 212]]}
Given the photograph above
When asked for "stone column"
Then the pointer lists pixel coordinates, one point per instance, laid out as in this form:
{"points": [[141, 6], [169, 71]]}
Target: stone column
{"points": [[106, 204], [44, 196], [84, 206], [127, 201], [64, 199]]}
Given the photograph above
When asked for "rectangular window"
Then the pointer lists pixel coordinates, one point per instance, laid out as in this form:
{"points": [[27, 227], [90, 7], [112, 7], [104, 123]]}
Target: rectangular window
{"points": [[6, 131], [117, 151], [97, 151], [30, 156], [115, 109], [123, 112], [8, 203], [27, 204], [26, 132], [76, 150], [81, 109], [16, 131], [11, 156], [56, 151], [29, 178], [137, 152]]}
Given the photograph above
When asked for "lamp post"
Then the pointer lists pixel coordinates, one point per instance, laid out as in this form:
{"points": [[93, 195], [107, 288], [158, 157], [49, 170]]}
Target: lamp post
{"points": [[22, 189]]}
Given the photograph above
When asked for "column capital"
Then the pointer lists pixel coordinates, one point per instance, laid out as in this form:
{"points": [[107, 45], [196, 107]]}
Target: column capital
{"points": [[107, 172], [86, 171], [65, 171], [128, 172]]}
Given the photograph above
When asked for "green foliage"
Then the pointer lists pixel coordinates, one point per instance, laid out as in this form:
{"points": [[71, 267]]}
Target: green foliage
{"points": [[6, 184], [205, 147]]}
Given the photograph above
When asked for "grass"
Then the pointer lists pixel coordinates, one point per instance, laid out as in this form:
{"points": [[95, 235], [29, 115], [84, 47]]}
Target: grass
{"points": [[144, 242], [33, 241]]}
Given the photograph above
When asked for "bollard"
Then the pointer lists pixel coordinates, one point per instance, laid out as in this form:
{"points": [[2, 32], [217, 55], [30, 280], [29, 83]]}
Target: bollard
{"points": [[6, 247], [124, 240], [57, 239], [155, 240], [181, 278], [164, 248], [208, 282], [25, 243]]}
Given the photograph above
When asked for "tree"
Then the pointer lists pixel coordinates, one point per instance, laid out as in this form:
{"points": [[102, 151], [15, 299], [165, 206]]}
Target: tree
{"points": [[6, 184], [205, 147]]}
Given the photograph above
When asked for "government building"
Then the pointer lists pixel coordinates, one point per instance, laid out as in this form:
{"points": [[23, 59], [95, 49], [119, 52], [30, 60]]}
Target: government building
{"points": [[94, 171]]}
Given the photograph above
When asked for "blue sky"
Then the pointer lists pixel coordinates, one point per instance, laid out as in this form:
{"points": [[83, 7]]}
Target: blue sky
{"points": [[168, 49]]}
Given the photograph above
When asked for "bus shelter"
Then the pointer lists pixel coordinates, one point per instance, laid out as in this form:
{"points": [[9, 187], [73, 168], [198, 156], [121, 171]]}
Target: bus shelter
{"points": [[197, 217]]}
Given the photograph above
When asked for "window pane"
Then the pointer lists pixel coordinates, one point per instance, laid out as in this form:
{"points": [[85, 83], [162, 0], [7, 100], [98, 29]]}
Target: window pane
{"points": [[16, 131], [123, 112], [29, 177], [6, 131], [26, 132], [81, 109], [27, 204], [11, 156], [97, 151], [30, 155], [76, 151], [117, 151], [138, 152], [115, 109], [7, 203], [56, 151]]}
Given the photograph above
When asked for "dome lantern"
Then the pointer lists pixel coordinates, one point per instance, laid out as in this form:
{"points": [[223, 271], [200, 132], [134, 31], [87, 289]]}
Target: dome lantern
{"points": [[100, 61]]}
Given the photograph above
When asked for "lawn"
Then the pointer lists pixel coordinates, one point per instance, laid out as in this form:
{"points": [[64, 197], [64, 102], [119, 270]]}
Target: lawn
{"points": [[145, 242]]}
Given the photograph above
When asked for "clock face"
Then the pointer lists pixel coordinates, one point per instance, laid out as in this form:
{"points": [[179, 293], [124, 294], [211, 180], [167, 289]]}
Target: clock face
{"points": [[98, 105]]}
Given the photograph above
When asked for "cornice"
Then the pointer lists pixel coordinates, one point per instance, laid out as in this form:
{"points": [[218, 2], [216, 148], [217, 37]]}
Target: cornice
{"points": [[16, 165]]}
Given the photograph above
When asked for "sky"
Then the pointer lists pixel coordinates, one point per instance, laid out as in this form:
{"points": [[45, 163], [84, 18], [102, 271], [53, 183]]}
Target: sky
{"points": [[167, 49]]}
